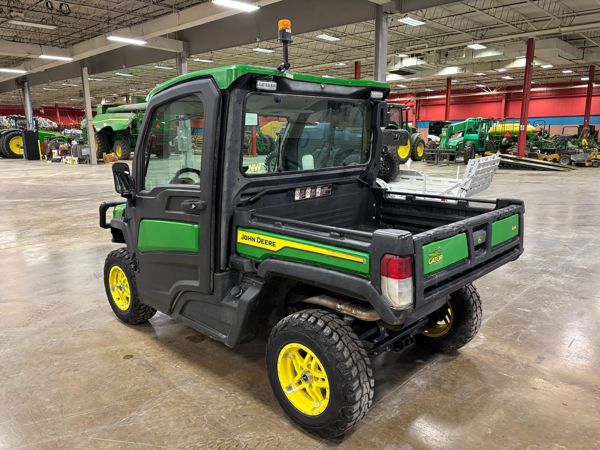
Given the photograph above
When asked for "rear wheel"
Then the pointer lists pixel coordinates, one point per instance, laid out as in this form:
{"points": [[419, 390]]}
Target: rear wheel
{"points": [[121, 290], [454, 324], [469, 152], [320, 372], [122, 149], [12, 145], [417, 148], [388, 169], [403, 153], [565, 160]]}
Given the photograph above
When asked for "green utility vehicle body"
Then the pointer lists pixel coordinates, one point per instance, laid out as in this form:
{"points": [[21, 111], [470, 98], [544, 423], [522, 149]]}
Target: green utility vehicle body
{"points": [[467, 138], [223, 241]]}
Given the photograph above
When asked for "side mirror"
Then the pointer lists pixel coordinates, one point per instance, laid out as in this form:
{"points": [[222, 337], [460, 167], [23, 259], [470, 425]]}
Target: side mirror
{"points": [[122, 179]]}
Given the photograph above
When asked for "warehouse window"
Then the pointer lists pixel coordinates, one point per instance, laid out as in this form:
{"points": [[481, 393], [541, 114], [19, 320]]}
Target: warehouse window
{"points": [[173, 147], [291, 133]]}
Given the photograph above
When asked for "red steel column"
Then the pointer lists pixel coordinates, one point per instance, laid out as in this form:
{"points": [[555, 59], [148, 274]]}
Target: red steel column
{"points": [[525, 100], [448, 92], [357, 70], [588, 97]]}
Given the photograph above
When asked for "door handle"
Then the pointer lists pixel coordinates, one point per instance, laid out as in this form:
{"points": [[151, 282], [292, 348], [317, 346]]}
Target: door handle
{"points": [[193, 206]]}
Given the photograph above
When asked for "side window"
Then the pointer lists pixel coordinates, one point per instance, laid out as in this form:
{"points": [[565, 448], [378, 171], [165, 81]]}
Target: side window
{"points": [[173, 147]]}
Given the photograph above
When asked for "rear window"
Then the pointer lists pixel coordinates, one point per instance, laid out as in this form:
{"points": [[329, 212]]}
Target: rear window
{"points": [[294, 133]]}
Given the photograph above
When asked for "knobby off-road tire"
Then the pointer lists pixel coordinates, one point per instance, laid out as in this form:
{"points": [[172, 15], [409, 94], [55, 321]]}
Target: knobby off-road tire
{"points": [[341, 363], [417, 146], [469, 152], [103, 143], [447, 336], [388, 169], [122, 149], [11, 145], [122, 293]]}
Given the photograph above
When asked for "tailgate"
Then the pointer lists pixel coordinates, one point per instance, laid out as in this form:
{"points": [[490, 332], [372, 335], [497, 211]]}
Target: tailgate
{"points": [[450, 256]]}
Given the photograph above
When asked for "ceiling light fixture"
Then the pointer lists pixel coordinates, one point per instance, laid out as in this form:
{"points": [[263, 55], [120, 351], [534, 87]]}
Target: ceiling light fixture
{"points": [[202, 60], [49, 89], [341, 64], [242, 6], [507, 77], [401, 86], [546, 66], [57, 57], [328, 76], [327, 37], [476, 46], [480, 85], [428, 90], [402, 55], [585, 78], [70, 84], [25, 23], [567, 71], [124, 74], [479, 74], [501, 70], [156, 66], [95, 79], [263, 50], [126, 40], [7, 70], [410, 21]]}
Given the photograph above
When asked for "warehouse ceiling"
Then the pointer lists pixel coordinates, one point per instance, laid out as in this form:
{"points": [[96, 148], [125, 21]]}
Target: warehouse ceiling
{"points": [[420, 57]]}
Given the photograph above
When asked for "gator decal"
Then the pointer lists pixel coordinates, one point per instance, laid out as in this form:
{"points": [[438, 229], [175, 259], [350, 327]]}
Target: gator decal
{"points": [[168, 236], [505, 229], [261, 245], [441, 254]]}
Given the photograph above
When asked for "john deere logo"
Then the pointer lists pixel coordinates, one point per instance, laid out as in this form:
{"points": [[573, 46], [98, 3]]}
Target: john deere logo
{"points": [[435, 257]]}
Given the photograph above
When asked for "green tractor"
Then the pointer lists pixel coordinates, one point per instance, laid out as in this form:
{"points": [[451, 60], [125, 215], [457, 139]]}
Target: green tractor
{"points": [[116, 128], [466, 139], [415, 149], [11, 136]]}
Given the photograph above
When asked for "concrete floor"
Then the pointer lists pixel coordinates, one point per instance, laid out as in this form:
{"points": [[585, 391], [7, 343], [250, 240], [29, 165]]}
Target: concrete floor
{"points": [[73, 376]]}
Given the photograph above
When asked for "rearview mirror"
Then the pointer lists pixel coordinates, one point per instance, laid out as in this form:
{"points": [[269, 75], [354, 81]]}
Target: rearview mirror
{"points": [[394, 138], [122, 179]]}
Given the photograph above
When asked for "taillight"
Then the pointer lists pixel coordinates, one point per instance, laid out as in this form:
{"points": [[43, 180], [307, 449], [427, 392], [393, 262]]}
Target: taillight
{"points": [[397, 280]]}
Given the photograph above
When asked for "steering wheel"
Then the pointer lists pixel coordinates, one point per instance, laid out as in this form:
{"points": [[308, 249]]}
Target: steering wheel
{"points": [[186, 180]]}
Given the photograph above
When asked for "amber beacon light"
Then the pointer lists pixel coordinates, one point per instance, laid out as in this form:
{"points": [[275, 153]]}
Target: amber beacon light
{"points": [[285, 37]]}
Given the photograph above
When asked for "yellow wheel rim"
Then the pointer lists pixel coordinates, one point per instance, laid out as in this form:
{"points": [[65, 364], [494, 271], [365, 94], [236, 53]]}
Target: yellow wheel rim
{"points": [[16, 145], [404, 151], [119, 151], [303, 379], [119, 288], [443, 325], [420, 149]]}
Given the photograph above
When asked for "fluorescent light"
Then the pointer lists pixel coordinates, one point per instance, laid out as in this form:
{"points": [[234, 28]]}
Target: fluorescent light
{"points": [[410, 21], [507, 77], [401, 86], [428, 90], [340, 64], [126, 40], [124, 74], [12, 70], [163, 67], [263, 50], [585, 79], [202, 60], [402, 55], [328, 76], [567, 71], [70, 84], [327, 37], [25, 23], [56, 57], [480, 85], [546, 66], [501, 70], [479, 74], [95, 79], [476, 46], [242, 6], [49, 89]]}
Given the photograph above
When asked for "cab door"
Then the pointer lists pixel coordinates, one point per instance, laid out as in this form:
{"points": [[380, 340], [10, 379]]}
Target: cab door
{"points": [[174, 177]]}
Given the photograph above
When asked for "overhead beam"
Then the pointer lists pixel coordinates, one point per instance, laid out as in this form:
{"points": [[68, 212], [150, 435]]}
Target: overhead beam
{"points": [[22, 50]]}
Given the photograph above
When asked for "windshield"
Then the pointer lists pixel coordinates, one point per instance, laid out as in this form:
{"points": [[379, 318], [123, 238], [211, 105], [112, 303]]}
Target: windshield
{"points": [[291, 133]]}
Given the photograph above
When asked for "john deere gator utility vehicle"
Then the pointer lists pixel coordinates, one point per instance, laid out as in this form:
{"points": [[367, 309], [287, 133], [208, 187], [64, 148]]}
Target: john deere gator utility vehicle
{"points": [[465, 139], [11, 135], [309, 248]]}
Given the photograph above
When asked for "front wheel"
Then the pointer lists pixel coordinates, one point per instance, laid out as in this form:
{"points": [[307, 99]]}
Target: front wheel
{"points": [[122, 149], [320, 372], [418, 148], [469, 152], [121, 290], [455, 323]]}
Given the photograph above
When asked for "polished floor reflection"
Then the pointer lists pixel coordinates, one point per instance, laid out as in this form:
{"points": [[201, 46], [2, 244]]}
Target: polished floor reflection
{"points": [[75, 377]]}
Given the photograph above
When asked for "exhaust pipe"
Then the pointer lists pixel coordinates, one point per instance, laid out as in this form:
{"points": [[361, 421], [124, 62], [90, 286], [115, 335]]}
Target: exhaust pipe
{"points": [[347, 308]]}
